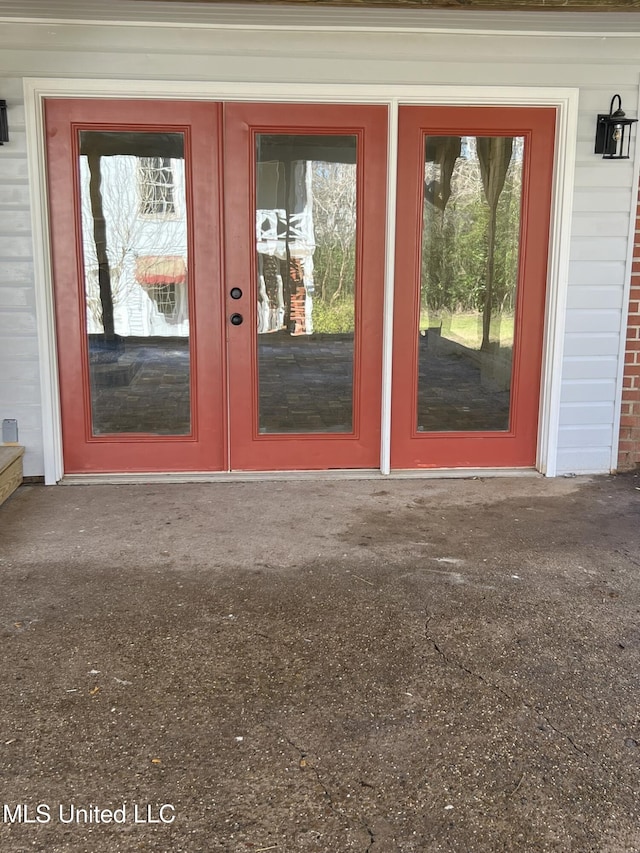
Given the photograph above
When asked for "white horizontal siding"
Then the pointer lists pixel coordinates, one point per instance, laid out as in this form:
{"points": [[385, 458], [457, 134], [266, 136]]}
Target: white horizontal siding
{"points": [[18, 247], [599, 298], [18, 390], [591, 344], [586, 367], [594, 311], [12, 168], [15, 297], [20, 371], [603, 196], [572, 439], [586, 224], [14, 222], [584, 460], [602, 200], [588, 390], [84, 50], [586, 414], [581, 320], [619, 175], [17, 348], [15, 272], [597, 271], [612, 249], [14, 192]]}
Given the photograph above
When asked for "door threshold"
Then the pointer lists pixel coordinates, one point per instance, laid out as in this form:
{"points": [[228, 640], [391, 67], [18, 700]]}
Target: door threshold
{"points": [[215, 477], [462, 473], [273, 476]]}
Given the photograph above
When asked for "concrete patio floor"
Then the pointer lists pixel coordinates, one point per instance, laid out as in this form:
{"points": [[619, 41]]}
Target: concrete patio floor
{"points": [[391, 666]]}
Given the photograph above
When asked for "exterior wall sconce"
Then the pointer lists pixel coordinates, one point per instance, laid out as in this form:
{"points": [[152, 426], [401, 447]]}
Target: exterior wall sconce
{"points": [[613, 133], [4, 125]]}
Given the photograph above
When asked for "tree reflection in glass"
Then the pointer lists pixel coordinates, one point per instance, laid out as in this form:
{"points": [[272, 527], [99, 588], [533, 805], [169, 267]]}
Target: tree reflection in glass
{"points": [[134, 238], [470, 251]]}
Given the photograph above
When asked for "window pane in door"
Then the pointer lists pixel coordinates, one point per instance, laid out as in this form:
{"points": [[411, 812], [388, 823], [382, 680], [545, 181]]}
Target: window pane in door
{"points": [[306, 228], [134, 238], [469, 277]]}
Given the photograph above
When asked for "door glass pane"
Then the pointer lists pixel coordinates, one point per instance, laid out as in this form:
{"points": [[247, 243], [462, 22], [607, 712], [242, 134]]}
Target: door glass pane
{"points": [[306, 256], [470, 248], [134, 237]]}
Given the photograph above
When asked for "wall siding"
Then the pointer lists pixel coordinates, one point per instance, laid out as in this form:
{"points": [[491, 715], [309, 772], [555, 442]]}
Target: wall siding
{"points": [[20, 372], [595, 297], [599, 248]]}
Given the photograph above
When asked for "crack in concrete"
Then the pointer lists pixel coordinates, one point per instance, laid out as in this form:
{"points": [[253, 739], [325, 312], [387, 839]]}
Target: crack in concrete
{"points": [[450, 662], [627, 555], [372, 838], [303, 757]]}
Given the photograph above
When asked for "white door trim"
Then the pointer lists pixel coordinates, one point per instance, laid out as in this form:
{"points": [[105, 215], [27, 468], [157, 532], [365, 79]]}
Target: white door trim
{"points": [[565, 100]]}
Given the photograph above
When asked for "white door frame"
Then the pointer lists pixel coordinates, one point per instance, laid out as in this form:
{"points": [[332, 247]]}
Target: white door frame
{"points": [[565, 100]]}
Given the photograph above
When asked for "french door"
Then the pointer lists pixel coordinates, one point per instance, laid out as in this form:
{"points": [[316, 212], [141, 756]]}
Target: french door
{"points": [[218, 280], [219, 284], [474, 196], [134, 194], [307, 185]]}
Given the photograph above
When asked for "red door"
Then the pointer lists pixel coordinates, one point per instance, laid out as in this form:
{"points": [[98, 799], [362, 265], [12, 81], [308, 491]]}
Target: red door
{"points": [[305, 225], [474, 193], [170, 361], [136, 261]]}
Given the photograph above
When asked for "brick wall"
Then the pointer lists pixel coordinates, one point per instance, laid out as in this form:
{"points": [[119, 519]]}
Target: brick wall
{"points": [[629, 451]]}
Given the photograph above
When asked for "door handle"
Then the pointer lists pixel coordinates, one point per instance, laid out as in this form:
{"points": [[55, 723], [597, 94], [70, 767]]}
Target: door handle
{"points": [[236, 319]]}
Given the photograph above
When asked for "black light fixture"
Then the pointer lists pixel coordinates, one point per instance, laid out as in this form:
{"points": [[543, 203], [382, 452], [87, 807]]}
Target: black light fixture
{"points": [[613, 133], [4, 125]]}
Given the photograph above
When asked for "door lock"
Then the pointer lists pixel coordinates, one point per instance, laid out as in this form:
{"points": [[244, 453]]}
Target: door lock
{"points": [[235, 293]]}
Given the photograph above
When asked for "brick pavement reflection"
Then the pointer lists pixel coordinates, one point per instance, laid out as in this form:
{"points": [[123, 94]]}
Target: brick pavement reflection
{"points": [[305, 386]]}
